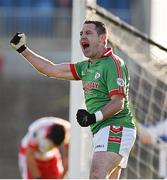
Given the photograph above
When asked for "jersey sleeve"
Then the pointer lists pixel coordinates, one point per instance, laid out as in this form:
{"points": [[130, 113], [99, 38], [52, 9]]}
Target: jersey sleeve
{"points": [[115, 77], [77, 68]]}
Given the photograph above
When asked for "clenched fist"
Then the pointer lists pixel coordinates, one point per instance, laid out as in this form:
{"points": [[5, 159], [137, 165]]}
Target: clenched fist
{"points": [[84, 118], [18, 42]]}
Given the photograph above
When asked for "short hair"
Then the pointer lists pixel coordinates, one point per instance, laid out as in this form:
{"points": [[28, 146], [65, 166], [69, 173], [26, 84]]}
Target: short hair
{"points": [[100, 26], [56, 134]]}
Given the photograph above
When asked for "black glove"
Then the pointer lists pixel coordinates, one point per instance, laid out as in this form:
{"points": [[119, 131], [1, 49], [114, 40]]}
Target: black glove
{"points": [[84, 118], [18, 42]]}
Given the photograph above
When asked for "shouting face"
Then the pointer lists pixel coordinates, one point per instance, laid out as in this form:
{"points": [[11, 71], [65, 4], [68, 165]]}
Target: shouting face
{"points": [[91, 43]]}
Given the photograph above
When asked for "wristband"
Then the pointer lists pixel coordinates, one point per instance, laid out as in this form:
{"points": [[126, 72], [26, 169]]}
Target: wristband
{"points": [[99, 116], [21, 49]]}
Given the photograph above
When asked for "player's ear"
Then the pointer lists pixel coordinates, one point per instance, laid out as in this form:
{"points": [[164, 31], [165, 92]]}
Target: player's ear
{"points": [[103, 37]]}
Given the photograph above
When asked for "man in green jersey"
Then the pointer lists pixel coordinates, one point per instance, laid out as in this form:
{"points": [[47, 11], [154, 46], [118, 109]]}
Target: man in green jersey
{"points": [[105, 82]]}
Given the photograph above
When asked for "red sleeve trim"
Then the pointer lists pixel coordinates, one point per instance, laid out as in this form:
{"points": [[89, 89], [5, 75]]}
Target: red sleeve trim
{"points": [[116, 92], [74, 72]]}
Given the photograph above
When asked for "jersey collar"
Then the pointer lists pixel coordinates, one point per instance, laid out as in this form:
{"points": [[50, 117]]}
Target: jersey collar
{"points": [[108, 52]]}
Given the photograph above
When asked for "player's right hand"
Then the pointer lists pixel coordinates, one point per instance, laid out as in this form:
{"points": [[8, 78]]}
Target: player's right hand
{"points": [[18, 42]]}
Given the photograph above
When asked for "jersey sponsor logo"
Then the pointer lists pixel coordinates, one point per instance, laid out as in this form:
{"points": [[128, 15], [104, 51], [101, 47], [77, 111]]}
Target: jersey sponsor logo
{"points": [[97, 75], [87, 86], [87, 91], [120, 82], [114, 139], [99, 146], [91, 85]]}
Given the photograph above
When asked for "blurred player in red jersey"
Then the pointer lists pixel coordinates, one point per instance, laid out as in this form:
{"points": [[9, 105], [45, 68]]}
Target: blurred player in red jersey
{"points": [[39, 151]]}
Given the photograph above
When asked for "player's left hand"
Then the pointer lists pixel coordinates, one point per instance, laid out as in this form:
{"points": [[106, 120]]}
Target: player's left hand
{"points": [[84, 118]]}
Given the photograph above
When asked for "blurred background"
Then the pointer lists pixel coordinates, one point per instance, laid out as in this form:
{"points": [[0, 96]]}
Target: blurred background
{"points": [[26, 95]]}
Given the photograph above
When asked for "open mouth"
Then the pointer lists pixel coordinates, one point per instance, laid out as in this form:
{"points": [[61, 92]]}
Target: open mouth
{"points": [[85, 45]]}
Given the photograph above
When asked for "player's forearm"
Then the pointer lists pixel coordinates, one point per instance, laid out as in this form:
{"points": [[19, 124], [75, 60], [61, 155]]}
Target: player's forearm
{"points": [[43, 65], [65, 160], [112, 108], [65, 165], [40, 63], [46, 67], [18, 42], [34, 169], [32, 165]]}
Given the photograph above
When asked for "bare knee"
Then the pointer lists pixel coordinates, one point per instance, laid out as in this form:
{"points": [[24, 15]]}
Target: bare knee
{"points": [[97, 174], [98, 170], [103, 163], [115, 174]]}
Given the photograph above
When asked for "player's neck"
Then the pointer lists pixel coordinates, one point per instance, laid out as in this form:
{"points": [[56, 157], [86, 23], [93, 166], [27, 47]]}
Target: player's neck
{"points": [[99, 54]]}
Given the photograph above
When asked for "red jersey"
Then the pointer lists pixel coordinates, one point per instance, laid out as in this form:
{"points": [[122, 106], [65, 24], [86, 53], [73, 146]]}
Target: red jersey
{"points": [[49, 162]]}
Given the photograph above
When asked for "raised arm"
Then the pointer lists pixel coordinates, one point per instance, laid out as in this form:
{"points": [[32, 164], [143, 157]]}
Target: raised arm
{"points": [[31, 163], [66, 142], [41, 64]]}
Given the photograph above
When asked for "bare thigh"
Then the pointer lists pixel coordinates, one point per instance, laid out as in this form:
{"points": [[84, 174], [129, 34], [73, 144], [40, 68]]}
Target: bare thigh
{"points": [[104, 164]]}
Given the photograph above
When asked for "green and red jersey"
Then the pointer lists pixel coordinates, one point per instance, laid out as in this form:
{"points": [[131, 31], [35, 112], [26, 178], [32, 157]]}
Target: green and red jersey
{"points": [[102, 78]]}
